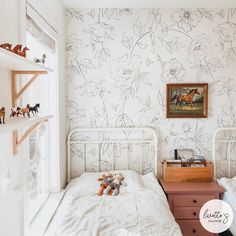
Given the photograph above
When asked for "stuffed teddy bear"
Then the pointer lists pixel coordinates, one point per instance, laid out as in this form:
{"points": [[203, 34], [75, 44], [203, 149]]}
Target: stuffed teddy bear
{"points": [[106, 180], [115, 184]]}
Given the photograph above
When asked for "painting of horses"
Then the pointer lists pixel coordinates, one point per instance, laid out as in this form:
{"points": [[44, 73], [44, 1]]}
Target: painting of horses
{"points": [[187, 100]]}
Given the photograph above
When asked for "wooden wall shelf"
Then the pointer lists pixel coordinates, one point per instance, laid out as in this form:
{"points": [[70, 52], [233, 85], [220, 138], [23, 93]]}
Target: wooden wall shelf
{"points": [[12, 61], [15, 124], [21, 66]]}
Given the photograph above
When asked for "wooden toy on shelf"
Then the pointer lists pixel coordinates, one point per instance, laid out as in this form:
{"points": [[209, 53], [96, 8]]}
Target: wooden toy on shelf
{"points": [[23, 52], [17, 49], [2, 115], [42, 60], [34, 110], [6, 46], [26, 110], [16, 112]]}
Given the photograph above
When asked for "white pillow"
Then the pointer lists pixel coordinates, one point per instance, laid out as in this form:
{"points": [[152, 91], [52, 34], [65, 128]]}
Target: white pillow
{"points": [[88, 182]]}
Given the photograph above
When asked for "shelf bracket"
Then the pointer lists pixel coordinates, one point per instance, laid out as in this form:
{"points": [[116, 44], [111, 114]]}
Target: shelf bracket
{"points": [[17, 142], [17, 94]]}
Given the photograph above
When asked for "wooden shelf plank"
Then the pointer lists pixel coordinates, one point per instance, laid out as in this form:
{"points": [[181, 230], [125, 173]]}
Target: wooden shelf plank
{"points": [[15, 124], [14, 62]]}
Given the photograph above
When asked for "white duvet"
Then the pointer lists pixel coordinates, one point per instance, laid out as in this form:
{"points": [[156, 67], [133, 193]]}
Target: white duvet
{"points": [[140, 209]]}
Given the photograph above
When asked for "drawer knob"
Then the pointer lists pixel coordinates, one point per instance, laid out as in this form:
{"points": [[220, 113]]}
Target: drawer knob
{"points": [[194, 213], [194, 231], [194, 201]]}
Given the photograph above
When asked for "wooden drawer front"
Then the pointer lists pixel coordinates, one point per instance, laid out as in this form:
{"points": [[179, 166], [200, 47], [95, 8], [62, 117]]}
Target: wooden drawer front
{"points": [[186, 212], [193, 228], [191, 200]]}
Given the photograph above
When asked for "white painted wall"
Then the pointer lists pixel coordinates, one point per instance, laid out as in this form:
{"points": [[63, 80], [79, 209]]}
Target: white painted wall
{"points": [[11, 30], [11, 214]]}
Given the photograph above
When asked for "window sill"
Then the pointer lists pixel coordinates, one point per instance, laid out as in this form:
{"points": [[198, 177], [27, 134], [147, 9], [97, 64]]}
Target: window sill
{"points": [[39, 224]]}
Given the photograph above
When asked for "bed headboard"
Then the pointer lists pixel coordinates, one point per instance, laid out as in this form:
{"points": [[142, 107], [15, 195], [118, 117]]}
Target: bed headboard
{"points": [[224, 152], [105, 149]]}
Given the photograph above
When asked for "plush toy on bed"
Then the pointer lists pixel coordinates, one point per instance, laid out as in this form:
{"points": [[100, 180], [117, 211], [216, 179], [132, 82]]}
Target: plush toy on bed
{"points": [[115, 184], [106, 180]]}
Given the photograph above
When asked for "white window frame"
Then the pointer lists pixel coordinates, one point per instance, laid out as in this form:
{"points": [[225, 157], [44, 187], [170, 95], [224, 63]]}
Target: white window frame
{"points": [[54, 178]]}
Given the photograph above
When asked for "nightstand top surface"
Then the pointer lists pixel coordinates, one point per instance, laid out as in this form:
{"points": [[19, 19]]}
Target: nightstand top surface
{"points": [[187, 187]]}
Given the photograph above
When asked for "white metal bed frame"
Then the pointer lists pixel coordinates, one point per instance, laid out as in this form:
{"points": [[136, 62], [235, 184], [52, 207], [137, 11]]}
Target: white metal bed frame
{"points": [[228, 142], [153, 140]]}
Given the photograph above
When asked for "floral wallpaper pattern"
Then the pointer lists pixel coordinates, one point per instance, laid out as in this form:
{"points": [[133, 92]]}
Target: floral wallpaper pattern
{"points": [[119, 61]]}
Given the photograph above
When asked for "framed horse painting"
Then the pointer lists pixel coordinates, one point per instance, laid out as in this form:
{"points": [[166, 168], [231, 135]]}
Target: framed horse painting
{"points": [[187, 100]]}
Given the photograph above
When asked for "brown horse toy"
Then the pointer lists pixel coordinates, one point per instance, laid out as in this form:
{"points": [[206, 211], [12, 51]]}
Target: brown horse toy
{"points": [[188, 98], [23, 52], [2, 115], [6, 46], [17, 49], [26, 110], [16, 113]]}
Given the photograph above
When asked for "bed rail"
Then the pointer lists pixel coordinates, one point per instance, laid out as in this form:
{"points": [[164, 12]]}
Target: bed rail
{"points": [[153, 136]]}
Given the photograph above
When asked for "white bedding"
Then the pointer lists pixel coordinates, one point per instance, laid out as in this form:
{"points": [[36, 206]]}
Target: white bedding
{"points": [[230, 197], [140, 209]]}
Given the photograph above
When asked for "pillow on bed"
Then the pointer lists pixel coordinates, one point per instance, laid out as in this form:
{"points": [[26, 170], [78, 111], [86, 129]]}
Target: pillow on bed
{"points": [[87, 183]]}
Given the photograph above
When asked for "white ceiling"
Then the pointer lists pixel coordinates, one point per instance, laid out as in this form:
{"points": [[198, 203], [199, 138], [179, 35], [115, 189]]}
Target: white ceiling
{"points": [[148, 3]]}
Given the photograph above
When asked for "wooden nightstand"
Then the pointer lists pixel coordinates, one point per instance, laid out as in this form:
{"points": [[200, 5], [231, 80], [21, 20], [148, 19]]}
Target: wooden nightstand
{"points": [[185, 201]]}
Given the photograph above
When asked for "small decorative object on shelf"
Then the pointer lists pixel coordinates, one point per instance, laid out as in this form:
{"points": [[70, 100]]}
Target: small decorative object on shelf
{"points": [[23, 52], [26, 110], [6, 46], [17, 49], [34, 110], [2, 115], [42, 60], [16, 112]]}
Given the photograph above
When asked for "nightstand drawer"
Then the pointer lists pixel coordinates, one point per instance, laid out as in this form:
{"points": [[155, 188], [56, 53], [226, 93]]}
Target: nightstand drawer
{"points": [[193, 228], [186, 212], [191, 200]]}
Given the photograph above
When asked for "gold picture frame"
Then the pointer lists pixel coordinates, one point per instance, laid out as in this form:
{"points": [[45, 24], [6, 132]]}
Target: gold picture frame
{"points": [[187, 100]]}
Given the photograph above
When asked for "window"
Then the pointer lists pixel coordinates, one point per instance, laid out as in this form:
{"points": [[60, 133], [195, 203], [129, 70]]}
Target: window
{"points": [[43, 153]]}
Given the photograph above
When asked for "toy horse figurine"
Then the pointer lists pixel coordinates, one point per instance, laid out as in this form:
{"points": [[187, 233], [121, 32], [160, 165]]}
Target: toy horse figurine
{"points": [[6, 46], [16, 113], [17, 49], [23, 52], [42, 60], [26, 110], [34, 109], [2, 115]]}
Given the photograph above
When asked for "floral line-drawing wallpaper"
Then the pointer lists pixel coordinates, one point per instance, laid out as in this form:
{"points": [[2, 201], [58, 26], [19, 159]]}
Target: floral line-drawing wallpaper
{"points": [[119, 61]]}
